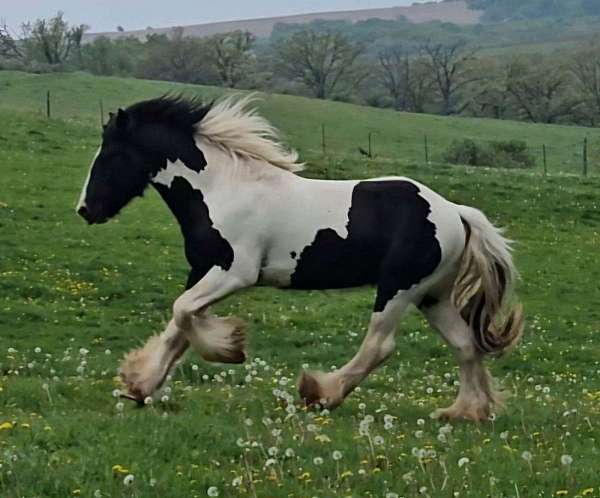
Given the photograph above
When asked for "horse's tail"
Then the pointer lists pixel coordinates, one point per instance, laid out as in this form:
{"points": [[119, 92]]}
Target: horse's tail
{"points": [[485, 279]]}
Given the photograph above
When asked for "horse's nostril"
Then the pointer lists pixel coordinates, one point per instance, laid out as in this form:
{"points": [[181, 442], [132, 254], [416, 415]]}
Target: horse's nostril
{"points": [[83, 212]]}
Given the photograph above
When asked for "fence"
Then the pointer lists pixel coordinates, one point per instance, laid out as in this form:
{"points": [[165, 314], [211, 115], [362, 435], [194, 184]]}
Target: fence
{"points": [[573, 155]]}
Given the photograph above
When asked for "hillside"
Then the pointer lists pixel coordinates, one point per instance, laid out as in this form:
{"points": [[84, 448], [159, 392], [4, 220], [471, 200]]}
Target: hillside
{"points": [[394, 136], [456, 12]]}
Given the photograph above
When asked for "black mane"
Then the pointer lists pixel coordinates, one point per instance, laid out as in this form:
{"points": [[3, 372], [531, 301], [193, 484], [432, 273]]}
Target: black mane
{"points": [[173, 110]]}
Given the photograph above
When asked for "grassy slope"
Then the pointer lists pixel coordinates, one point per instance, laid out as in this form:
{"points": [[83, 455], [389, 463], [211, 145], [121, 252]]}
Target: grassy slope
{"points": [[397, 136], [64, 286]]}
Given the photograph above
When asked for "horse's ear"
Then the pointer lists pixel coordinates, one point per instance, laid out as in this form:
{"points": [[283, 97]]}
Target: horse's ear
{"points": [[123, 120]]}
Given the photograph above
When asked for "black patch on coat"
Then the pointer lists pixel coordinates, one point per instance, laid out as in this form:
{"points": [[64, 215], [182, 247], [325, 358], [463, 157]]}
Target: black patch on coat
{"points": [[294, 254], [390, 243], [204, 245]]}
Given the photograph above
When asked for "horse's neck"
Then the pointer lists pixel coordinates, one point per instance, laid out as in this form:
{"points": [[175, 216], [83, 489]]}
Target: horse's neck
{"points": [[226, 183]]}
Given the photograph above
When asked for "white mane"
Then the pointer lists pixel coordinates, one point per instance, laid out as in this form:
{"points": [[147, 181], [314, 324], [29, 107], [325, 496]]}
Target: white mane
{"points": [[238, 128]]}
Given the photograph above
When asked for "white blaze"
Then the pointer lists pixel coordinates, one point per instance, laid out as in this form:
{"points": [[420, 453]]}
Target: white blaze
{"points": [[81, 202]]}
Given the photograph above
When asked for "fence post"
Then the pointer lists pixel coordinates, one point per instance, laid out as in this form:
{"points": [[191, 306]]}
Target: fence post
{"points": [[585, 157], [101, 114], [426, 151], [48, 112], [370, 146], [323, 144], [545, 162]]}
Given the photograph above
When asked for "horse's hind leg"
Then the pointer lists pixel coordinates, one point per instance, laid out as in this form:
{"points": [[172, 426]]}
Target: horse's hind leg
{"points": [[330, 389], [476, 396]]}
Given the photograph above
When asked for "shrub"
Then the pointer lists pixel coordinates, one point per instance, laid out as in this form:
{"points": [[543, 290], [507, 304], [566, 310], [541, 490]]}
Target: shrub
{"points": [[495, 154]]}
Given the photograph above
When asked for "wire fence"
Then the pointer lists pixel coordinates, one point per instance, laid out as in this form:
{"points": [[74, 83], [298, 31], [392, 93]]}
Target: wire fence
{"points": [[558, 155], [569, 155]]}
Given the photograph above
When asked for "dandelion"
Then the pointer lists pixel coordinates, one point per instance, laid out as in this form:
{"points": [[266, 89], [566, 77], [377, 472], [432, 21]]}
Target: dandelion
{"points": [[463, 461], [526, 455], [164, 399], [116, 393], [419, 434], [391, 495], [249, 422], [336, 455], [128, 479], [566, 460], [587, 491], [97, 494], [378, 440], [236, 482], [504, 435], [317, 460], [148, 400], [37, 350], [152, 482], [119, 406], [212, 491], [273, 451], [289, 453], [420, 422]]}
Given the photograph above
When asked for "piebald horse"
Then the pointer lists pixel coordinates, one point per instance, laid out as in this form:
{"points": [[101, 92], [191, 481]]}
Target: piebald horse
{"points": [[247, 219]]}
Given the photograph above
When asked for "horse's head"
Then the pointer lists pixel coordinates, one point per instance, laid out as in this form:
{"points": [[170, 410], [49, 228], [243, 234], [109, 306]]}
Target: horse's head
{"points": [[120, 171]]}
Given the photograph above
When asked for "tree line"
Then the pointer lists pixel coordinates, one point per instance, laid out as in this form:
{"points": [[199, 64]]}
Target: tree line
{"points": [[450, 77]]}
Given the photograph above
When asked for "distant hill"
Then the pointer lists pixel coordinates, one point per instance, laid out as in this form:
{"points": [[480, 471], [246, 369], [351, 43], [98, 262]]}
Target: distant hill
{"points": [[454, 11]]}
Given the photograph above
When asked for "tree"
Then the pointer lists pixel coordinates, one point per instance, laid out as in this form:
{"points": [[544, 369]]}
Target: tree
{"points": [[586, 70], [231, 56], [541, 89], [394, 73], [177, 58], [452, 69], [53, 40], [406, 78], [321, 60], [10, 46]]}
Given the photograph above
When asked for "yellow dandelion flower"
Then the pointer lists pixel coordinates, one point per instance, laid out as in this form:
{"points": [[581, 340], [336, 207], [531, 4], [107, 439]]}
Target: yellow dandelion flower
{"points": [[322, 438], [587, 491], [5, 426], [346, 473], [562, 492], [119, 469], [76, 492], [25, 425], [305, 475]]}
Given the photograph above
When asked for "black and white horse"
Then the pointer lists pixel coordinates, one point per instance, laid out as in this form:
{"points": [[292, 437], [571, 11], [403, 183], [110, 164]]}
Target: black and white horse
{"points": [[248, 220]]}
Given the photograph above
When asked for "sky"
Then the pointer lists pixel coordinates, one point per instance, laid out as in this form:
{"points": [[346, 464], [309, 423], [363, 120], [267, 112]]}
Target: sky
{"points": [[106, 15]]}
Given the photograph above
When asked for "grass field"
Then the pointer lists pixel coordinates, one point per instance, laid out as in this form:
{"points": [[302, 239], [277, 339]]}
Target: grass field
{"points": [[397, 137], [73, 299]]}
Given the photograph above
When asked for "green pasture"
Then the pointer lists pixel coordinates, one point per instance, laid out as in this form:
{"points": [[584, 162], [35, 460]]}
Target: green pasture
{"points": [[74, 299]]}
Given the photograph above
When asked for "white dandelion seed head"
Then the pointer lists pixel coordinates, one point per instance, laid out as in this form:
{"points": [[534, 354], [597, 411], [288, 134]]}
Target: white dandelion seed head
{"points": [[463, 461], [566, 459], [504, 435], [128, 479], [317, 460], [336, 455], [212, 491], [97, 494], [527, 456], [148, 400], [289, 453], [273, 450]]}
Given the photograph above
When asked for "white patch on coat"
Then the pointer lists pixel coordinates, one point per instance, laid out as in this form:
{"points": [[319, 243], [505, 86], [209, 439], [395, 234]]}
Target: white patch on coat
{"points": [[81, 202], [266, 209]]}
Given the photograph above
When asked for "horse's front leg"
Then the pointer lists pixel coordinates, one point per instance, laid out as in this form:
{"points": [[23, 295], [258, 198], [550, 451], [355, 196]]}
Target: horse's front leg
{"points": [[216, 339]]}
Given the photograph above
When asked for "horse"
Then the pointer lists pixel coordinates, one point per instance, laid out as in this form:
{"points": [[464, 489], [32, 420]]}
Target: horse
{"points": [[247, 219]]}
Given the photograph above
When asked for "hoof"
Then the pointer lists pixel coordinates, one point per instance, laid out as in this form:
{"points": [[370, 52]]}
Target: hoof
{"points": [[220, 340], [318, 388], [140, 374], [473, 413]]}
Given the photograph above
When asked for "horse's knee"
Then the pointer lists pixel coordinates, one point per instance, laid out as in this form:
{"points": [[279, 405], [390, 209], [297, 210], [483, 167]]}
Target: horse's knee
{"points": [[182, 313]]}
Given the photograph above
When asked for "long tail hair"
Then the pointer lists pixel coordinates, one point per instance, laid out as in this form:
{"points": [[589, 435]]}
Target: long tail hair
{"points": [[484, 284]]}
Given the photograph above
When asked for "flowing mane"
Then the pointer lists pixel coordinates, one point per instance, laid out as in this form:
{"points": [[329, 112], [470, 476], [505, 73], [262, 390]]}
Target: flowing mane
{"points": [[235, 126], [231, 123]]}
